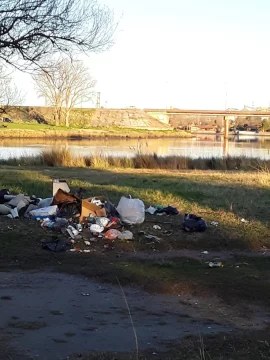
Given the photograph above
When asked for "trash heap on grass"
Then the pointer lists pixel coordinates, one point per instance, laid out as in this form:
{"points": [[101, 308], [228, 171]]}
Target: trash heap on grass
{"points": [[87, 220], [75, 217]]}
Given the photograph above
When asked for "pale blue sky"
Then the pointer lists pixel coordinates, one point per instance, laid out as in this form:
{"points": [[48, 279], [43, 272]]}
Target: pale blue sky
{"points": [[183, 54]]}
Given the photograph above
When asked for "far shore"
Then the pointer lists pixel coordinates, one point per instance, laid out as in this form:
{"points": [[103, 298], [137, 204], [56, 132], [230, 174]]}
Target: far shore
{"points": [[29, 131]]}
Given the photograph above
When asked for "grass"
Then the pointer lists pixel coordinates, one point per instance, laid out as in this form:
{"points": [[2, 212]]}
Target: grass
{"points": [[24, 130], [192, 277], [27, 325], [224, 197], [219, 196], [62, 156], [253, 345]]}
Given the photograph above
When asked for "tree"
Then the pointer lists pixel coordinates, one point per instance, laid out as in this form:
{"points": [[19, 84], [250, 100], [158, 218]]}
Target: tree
{"points": [[266, 125], [9, 93], [64, 84], [30, 30]]}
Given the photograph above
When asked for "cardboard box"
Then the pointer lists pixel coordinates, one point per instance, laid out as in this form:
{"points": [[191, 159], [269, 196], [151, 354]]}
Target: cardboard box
{"points": [[91, 209], [60, 184]]}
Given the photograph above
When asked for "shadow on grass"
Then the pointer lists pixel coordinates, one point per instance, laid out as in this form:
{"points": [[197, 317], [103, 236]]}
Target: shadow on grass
{"points": [[20, 240], [225, 199]]}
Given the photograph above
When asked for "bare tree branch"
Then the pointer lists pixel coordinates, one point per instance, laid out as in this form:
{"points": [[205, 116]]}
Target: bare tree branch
{"points": [[30, 30], [9, 94], [64, 84]]}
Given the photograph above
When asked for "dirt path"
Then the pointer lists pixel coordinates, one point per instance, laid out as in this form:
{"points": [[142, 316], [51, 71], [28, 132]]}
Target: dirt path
{"points": [[197, 255], [51, 316]]}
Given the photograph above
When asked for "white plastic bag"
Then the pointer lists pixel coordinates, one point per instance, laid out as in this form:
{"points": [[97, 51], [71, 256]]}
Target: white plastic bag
{"points": [[44, 212], [131, 211]]}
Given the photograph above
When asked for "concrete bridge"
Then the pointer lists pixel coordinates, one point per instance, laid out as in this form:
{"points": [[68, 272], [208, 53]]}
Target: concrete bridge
{"points": [[165, 115]]}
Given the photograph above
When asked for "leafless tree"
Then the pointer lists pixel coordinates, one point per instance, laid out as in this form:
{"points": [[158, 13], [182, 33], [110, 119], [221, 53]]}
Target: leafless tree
{"points": [[9, 94], [64, 84], [32, 29]]}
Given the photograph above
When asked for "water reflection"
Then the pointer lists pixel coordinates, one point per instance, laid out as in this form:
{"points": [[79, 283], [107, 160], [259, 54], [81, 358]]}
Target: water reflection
{"points": [[204, 146]]}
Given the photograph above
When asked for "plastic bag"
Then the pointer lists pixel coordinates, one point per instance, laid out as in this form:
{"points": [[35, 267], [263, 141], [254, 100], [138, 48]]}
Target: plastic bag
{"points": [[94, 228], [126, 235], [112, 234], [102, 221], [194, 223], [132, 211], [44, 212]]}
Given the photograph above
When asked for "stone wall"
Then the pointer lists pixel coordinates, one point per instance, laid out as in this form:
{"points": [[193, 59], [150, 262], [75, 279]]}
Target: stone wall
{"points": [[127, 118]]}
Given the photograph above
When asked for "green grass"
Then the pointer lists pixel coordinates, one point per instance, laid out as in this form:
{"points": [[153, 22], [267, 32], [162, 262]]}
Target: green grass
{"points": [[33, 126], [224, 197], [33, 130]]}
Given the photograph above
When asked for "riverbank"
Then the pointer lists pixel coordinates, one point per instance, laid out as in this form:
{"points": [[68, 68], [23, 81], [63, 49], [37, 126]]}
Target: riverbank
{"points": [[62, 156], [31, 131], [212, 310]]}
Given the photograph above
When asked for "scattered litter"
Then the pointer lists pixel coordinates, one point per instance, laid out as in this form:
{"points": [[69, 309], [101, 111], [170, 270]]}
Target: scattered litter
{"points": [[114, 223], [151, 210], [156, 227], [96, 229], [244, 221], [126, 235], [169, 210], [86, 251], [85, 294], [55, 245], [79, 227], [45, 202], [72, 231], [102, 221], [93, 240], [215, 264], [214, 223], [87, 243], [45, 212], [112, 234], [204, 252], [194, 223], [152, 237]]}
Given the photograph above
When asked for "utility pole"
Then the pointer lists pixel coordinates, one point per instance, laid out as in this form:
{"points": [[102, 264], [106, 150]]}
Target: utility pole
{"points": [[98, 100]]}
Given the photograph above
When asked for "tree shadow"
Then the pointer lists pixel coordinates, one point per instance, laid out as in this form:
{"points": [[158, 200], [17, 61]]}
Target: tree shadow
{"points": [[223, 201]]}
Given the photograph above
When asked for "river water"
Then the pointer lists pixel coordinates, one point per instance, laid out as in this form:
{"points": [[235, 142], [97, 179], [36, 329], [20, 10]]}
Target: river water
{"points": [[199, 146]]}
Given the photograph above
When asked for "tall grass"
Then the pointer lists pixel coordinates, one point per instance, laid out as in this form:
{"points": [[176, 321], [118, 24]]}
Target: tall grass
{"points": [[65, 158]]}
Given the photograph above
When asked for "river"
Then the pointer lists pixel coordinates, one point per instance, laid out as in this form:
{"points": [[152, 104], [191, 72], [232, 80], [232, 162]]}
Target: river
{"points": [[199, 146]]}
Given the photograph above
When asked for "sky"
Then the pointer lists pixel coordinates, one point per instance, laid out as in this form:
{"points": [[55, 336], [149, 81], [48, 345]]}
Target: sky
{"points": [[183, 54]]}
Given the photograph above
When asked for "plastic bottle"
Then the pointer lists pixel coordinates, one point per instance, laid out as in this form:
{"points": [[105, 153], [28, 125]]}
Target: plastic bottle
{"points": [[215, 264], [79, 227]]}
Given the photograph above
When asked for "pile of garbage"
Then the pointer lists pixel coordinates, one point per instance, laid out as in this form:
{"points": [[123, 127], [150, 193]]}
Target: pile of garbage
{"points": [[86, 219], [72, 215]]}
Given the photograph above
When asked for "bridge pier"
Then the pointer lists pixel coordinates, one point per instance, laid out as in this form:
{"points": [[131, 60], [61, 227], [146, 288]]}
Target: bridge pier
{"points": [[226, 127]]}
